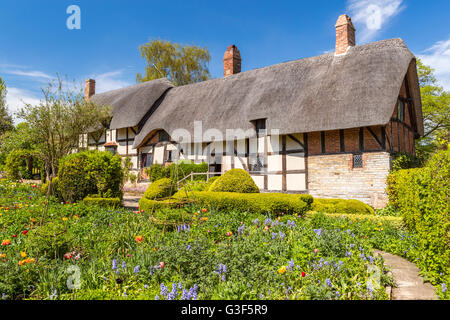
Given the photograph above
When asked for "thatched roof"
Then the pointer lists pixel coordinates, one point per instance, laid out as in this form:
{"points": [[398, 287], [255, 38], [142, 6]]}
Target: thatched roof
{"points": [[130, 104], [325, 92]]}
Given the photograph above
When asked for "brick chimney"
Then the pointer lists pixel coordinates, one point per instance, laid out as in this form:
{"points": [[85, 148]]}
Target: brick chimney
{"points": [[345, 34], [90, 89], [231, 61]]}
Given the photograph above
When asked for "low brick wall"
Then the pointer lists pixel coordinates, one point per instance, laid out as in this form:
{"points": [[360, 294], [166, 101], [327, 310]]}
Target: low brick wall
{"points": [[333, 176]]}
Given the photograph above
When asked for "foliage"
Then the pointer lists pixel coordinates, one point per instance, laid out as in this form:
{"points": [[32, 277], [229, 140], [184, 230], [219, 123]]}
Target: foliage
{"points": [[421, 195], [160, 189], [177, 171], [341, 206], [17, 164], [102, 202], [57, 122], [235, 180], [90, 172], [436, 113], [181, 64], [263, 203], [6, 122], [55, 189], [127, 174], [210, 254], [403, 160]]}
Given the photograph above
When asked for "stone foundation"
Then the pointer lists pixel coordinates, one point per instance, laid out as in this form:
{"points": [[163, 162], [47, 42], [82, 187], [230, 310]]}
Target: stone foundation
{"points": [[333, 176]]}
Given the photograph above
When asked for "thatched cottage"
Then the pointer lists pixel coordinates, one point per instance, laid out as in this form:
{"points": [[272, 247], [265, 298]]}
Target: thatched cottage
{"points": [[326, 125]]}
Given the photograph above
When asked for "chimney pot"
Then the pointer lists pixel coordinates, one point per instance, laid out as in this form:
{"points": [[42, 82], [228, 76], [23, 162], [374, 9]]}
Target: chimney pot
{"points": [[89, 89], [231, 61], [345, 34]]}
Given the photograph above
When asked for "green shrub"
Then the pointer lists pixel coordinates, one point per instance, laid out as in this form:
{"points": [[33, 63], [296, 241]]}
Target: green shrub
{"points": [[402, 160], [422, 197], [16, 164], [55, 188], [162, 188], [102, 202], [266, 203], [90, 172], [307, 198], [156, 172], [235, 180], [341, 206]]}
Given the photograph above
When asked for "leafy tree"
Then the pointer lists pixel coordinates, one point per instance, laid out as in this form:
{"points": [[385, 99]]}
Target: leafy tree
{"points": [[5, 117], [181, 64], [436, 112], [58, 121]]}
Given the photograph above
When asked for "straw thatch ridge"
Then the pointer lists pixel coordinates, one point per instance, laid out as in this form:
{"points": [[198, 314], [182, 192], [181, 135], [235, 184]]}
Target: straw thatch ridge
{"points": [[130, 104]]}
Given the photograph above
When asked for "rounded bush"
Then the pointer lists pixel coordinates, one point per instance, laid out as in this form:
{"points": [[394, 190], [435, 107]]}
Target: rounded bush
{"points": [[162, 188], [235, 180], [341, 206], [90, 172]]}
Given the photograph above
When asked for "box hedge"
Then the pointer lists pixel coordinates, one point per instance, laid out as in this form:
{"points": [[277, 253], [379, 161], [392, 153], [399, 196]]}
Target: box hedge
{"points": [[341, 206], [102, 202], [235, 180], [270, 203], [159, 189]]}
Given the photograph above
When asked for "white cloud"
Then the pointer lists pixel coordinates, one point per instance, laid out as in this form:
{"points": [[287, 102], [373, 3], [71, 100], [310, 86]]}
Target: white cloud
{"points": [[369, 16], [16, 99], [110, 81], [438, 57], [33, 74]]}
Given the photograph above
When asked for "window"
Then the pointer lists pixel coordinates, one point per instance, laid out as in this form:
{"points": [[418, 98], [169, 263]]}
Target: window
{"points": [[169, 156], [401, 110], [256, 163], [357, 161], [163, 136], [146, 160], [111, 149]]}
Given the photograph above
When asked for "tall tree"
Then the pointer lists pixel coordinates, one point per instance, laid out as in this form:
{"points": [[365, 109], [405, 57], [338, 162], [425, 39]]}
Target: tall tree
{"points": [[181, 64], [5, 117], [58, 121], [436, 112]]}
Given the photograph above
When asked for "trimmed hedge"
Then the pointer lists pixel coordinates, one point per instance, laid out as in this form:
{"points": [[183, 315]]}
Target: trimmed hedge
{"points": [[162, 188], [341, 206], [149, 205], [102, 202], [422, 196], [235, 180], [270, 203], [397, 221]]}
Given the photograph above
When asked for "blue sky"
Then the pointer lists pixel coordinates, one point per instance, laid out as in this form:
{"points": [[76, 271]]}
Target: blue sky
{"points": [[35, 42]]}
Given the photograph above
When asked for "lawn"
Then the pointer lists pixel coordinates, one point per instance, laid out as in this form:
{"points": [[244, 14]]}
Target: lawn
{"points": [[88, 252]]}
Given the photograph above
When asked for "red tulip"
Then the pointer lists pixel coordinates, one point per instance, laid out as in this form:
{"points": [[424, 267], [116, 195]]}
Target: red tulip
{"points": [[161, 264], [14, 236], [303, 274], [25, 232]]}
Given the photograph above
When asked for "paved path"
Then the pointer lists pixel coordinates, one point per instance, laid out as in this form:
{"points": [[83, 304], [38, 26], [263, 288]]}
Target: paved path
{"points": [[130, 201], [408, 284]]}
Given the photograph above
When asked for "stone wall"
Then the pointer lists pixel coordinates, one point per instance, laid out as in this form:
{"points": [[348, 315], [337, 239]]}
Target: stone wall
{"points": [[333, 176]]}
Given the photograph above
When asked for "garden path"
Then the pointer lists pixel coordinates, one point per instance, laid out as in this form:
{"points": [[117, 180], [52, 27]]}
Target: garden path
{"points": [[131, 201], [408, 284]]}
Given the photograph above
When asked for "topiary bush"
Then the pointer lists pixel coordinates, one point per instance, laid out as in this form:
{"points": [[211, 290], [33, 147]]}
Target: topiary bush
{"points": [[90, 172], [16, 164], [160, 189], [341, 206], [235, 180]]}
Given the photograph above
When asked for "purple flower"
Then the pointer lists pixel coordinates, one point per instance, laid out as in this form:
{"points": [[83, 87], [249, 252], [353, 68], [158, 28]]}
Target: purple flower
{"points": [[291, 264], [318, 232], [164, 290], [185, 295], [156, 297], [444, 288], [224, 278], [151, 271], [328, 282], [137, 269], [114, 264], [124, 265], [188, 248], [145, 286]]}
